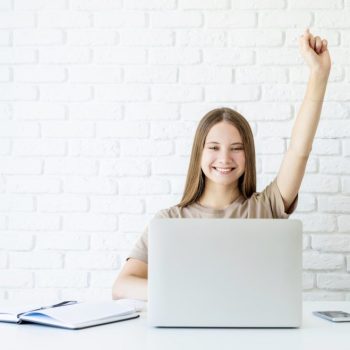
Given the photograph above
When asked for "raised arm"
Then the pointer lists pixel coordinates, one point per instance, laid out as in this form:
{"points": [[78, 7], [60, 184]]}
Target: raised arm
{"points": [[315, 53]]}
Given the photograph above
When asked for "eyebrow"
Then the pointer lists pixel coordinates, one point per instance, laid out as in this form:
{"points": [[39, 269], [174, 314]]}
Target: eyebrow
{"points": [[235, 143]]}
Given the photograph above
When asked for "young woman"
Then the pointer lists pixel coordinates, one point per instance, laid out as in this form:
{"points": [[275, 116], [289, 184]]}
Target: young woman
{"points": [[221, 181]]}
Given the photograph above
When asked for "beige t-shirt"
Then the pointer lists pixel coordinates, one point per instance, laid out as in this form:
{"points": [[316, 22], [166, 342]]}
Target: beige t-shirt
{"points": [[266, 204]]}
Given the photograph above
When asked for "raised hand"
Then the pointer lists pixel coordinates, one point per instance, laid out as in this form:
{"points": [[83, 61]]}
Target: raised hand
{"points": [[315, 53]]}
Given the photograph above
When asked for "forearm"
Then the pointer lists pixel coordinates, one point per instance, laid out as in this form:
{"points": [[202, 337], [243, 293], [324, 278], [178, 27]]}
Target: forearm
{"points": [[130, 287], [306, 123]]}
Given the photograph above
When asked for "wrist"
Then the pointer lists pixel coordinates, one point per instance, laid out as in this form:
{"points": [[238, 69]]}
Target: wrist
{"points": [[320, 74]]}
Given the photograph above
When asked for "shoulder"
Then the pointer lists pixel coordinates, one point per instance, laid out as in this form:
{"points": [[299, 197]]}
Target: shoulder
{"points": [[171, 212]]}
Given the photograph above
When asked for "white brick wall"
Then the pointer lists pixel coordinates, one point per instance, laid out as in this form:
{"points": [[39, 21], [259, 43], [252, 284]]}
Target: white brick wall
{"points": [[99, 101]]}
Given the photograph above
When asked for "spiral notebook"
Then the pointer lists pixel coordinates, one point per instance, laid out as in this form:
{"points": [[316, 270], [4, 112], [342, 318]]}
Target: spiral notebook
{"points": [[73, 314]]}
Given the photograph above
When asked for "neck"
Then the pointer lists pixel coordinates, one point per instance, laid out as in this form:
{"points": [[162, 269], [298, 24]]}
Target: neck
{"points": [[218, 196]]}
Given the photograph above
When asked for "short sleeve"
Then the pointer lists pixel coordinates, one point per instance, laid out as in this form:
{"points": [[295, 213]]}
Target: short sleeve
{"points": [[272, 196], [140, 248]]}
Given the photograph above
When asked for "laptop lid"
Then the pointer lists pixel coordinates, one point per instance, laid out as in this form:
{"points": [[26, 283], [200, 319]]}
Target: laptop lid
{"points": [[225, 273]]}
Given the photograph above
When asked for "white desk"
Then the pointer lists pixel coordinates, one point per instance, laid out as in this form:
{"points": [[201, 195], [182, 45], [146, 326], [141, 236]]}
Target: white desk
{"points": [[135, 334]]}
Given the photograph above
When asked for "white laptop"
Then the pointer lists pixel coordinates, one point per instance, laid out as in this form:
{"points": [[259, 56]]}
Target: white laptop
{"points": [[225, 273]]}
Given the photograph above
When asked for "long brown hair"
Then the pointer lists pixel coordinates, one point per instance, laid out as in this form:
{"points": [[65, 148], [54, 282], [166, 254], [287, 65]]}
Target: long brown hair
{"points": [[195, 180]]}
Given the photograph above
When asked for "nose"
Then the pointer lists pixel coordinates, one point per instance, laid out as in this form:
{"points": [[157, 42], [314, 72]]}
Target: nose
{"points": [[225, 157]]}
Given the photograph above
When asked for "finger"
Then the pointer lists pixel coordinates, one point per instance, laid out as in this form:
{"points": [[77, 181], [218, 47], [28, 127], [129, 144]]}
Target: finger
{"points": [[324, 45], [318, 44], [304, 39]]}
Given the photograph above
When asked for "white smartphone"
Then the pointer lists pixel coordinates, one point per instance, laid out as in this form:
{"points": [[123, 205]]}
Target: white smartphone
{"points": [[334, 316]]}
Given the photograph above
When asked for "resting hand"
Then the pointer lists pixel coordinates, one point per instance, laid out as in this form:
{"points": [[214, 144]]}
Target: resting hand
{"points": [[315, 53]]}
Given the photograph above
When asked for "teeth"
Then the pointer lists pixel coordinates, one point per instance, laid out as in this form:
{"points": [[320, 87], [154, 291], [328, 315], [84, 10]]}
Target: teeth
{"points": [[224, 170]]}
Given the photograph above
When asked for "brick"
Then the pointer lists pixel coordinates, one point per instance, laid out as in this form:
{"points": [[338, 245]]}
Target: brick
{"points": [[39, 74], [122, 129], [325, 147], [89, 222], [33, 184], [18, 241], [306, 203], [344, 223], [3, 260], [6, 111], [323, 296], [317, 223], [285, 19], [14, 55], [16, 19], [331, 243], [322, 261], [336, 92], [91, 37], [254, 38], [61, 203], [64, 19], [19, 129], [232, 93], [16, 92], [39, 296], [173, 56], [263, 75], [16, 279], [119, 55], [151, 111], [253, 4], [231, 19], [157, 203], [149, 38], [175, 19], [67, 93], [4, 37], [36, 260], [122, 92], [346, 148], [5, 147], [170, 166], [68, 129], [316, 4], [95, 4], [333, 281], [6, 5], [123, 19], [205, 75], [10, 165], [203, 4], [273, 164], [104, 148], [124, 167], [110, 241], [282, 92], [116, 204], [62, 241], [146, 74], [91, 260], [332, 19], [335, 165], [143, 186], [164, 130], [64, 55], [16, 203], [333, 129], [102, 279], [61, 278], [5, 74], [195, 111], [34, 222], [88, 294], [38, 37], [94, 110], [40, 4], [172, 93], [38, 110], [278, 56], [40, 147], [70, 166], [150, 4], [92, 185], [201, 38], [149, 148], [345, 185], [320, 183], [183, 147], [270, 146], [94, 74], [338, 204]]}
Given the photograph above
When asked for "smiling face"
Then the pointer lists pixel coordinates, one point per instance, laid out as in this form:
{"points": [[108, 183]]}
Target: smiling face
{"points": [[223, 157]]}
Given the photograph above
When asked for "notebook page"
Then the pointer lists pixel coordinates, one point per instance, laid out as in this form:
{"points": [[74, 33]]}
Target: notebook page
{"points": [[86, 311]]}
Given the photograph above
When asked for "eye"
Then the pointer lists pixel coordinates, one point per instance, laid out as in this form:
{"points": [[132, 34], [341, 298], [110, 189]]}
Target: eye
{"points": [[214, 148], [237, 149]]}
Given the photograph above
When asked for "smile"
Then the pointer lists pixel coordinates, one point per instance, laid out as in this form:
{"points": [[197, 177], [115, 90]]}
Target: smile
{"points": [[224, 170]]}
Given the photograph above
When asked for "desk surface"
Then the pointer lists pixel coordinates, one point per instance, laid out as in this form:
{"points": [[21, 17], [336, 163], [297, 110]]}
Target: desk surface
{"points": [[315, 333]]}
